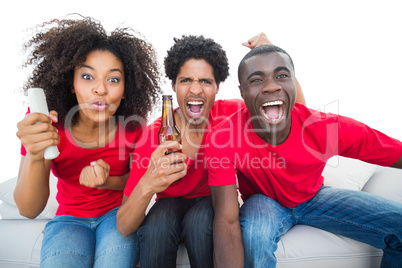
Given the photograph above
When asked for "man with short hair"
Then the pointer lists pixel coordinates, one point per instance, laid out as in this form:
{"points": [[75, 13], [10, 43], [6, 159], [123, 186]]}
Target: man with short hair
{"points": [[277, 150]]}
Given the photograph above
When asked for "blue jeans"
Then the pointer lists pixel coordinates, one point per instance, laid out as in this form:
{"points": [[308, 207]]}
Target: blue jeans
{"points": [[358, 215], [174, 220], [95, 242]]}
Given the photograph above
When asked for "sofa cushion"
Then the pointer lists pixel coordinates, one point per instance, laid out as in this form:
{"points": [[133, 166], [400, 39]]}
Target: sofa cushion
{"points": [[347, 173], [386, 182], [21, 244], [9, 210], [306, 246], [7, 190]]}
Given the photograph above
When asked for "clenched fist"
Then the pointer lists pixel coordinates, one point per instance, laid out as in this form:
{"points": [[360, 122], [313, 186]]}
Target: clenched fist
{"points": [[95, 175]]}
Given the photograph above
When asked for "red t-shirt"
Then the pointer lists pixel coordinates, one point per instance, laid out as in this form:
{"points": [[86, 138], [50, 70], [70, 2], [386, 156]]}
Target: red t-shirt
{"points": [[291, 172], [195, 183], [81, 201]]}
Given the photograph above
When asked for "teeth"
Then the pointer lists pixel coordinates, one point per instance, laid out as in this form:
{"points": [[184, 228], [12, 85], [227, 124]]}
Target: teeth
{"points": [[195, 102], [272, 103]]}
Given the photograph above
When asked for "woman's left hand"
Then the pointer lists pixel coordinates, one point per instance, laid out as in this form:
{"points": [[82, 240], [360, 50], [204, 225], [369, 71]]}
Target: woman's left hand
{"points": [[95, 175]]}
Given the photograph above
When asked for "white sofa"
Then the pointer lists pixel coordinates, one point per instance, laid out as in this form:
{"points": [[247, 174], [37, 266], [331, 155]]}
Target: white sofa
{"points": [[302, 246]]}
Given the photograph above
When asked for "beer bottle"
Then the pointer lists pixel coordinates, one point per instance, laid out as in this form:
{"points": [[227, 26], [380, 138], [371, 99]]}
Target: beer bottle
{"points": [[168, 131]]}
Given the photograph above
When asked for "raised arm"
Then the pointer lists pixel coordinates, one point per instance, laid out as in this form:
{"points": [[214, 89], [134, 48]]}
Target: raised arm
{"points": [[32, 190], [228, 241], [261, 39], [398, 163], [162, 171]]}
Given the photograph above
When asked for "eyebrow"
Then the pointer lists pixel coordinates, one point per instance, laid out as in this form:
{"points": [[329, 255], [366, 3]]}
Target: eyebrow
{"points": [[90, 67], [255, 73], [281, 68], [277, 69], [200, 79]]}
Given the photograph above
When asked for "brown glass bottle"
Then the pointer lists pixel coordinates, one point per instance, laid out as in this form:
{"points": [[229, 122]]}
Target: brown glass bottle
{"points": [[168, 131]]}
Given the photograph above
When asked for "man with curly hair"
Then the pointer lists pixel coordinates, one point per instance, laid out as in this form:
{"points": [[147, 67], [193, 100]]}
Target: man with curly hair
{"points": [[100, 88], [183, 210]]}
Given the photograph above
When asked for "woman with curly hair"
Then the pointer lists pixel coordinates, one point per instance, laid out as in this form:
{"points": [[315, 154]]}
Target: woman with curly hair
{"points": [[100, 88]]}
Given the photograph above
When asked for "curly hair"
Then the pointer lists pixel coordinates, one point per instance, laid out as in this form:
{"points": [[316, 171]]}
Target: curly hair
{"points": [[61, 45], [196, 47]]}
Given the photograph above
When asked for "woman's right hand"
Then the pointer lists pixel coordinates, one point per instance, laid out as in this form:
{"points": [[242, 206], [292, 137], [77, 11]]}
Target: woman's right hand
{"points": [[36, 133]]}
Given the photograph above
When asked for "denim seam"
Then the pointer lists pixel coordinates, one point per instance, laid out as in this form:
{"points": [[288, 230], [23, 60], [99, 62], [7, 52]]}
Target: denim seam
{"points": [[346, 222], [109, 250], [64, 253]]}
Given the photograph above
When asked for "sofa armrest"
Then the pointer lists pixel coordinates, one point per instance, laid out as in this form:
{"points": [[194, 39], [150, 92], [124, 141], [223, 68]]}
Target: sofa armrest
{"points": [[20, 242], [386, 182]]}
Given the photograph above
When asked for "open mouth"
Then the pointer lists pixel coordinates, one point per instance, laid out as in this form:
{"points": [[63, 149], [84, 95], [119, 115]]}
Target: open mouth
{"points": [[273, 111], [195, 108], [99, 105]]}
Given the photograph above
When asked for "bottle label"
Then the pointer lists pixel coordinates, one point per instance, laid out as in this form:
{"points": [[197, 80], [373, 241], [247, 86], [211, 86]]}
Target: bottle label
{"points": [[170, 137]]}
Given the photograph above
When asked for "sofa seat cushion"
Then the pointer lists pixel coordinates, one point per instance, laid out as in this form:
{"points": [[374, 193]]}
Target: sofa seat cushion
{"points": [[305, 246], [302, 246], [24, 242]]}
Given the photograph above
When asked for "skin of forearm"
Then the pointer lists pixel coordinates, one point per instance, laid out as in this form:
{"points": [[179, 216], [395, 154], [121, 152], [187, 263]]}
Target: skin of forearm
{"points": [[115, 182], [228, 244], [398, 163], [131, 213], [299, 96], [32, 190], [228, 241]]}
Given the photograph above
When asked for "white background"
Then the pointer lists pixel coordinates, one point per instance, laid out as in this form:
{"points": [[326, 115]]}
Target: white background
{"points": [[347, 54]]}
